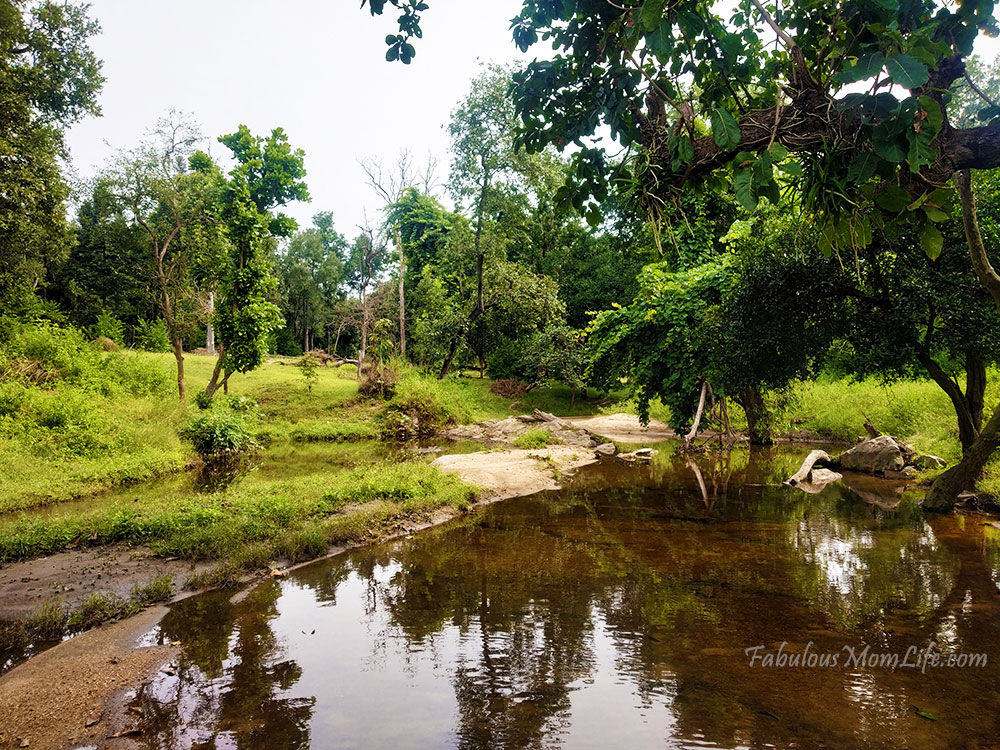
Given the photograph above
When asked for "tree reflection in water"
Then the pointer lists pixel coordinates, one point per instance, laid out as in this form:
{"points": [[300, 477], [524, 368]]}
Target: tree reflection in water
{"points": [[614, 612]]}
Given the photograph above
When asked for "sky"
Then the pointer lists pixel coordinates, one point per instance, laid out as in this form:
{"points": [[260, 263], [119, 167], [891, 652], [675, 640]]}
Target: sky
{"points": [[314, 67]]}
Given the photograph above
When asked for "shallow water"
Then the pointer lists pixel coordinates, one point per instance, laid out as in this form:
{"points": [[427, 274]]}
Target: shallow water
{"points": [[615, 613]]}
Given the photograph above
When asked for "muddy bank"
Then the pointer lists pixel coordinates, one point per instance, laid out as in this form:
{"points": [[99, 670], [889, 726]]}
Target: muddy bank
{"points": [[69, 578], [49, 700], [517, 471]]}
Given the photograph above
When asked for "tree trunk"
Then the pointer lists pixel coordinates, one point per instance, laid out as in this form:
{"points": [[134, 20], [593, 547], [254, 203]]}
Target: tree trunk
{"points": [[452, 350], [758, 417], [179, 356], [214, 384], [946, 488], [364, 329], [975, 388], [968, 426], [210, 329], [402, 298]]}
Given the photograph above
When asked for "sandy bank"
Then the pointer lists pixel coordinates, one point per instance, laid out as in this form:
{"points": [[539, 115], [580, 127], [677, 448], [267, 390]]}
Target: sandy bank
{"points": [[518, 471]]}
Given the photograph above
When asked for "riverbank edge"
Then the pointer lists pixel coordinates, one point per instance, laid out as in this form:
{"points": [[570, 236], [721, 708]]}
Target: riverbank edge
{"points": [[34, 680]]}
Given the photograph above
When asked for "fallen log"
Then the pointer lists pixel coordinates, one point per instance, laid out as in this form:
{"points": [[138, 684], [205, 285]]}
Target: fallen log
{"points": [[802, 475]]}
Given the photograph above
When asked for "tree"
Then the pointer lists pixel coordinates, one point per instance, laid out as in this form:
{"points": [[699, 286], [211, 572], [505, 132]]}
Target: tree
{"points": [[390, 184], [367, 258], [268, 173], [779, 88], [311, 270], [49, 79], [175, 206]]}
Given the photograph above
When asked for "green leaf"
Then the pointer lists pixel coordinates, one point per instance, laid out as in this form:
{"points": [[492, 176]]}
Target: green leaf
{"points": [[886, 145], [867, 66], [862, 167], [651, 13], [907, 71], [725, 130], [893, 198], [931, 241], [934, 115], [392, 53], [777, 152], [792, 168], [685, 149], [935, 214], [744, 190]]}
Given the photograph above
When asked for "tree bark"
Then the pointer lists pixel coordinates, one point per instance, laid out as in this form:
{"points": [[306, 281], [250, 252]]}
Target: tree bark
{"points": [[210, 329], [968, 427], [402, 298], [963, 475], [946, 488], [758, 417]]}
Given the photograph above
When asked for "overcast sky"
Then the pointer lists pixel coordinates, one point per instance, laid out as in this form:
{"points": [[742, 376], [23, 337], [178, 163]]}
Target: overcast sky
{"points": [[314, 67]]}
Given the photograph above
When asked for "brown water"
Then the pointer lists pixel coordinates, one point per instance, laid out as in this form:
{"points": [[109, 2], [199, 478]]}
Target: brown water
{"points": [[615, 613]]}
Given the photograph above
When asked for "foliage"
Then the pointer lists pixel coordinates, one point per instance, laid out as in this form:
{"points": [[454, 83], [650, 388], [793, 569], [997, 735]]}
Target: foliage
{"points": [[217, 433], [108, 326], [151, 336], [49, 79], [308, 366], [536, 438]]}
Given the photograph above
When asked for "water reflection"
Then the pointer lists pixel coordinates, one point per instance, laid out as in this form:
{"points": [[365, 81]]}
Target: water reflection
{"points": [[614, 613]]}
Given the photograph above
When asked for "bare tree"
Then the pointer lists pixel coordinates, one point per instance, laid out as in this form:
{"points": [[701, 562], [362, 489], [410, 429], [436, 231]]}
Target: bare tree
{"points": [[389, 183]]}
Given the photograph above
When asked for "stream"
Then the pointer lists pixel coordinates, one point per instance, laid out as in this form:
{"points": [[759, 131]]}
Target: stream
{"points": [[617, 612]]}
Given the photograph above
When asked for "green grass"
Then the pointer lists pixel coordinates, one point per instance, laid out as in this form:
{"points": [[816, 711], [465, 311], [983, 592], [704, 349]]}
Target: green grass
{"points": [[918, 412], [277, 511], [535, 438]]}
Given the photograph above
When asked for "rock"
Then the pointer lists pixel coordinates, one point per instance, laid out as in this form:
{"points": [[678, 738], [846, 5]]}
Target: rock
{"points": [[824, 476], [802, 476], [874, 456], [606, 449], [928, 462], [907, 472], [645, 454]]}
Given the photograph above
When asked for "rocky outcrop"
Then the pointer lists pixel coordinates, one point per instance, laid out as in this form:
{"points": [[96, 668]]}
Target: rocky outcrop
{"points": [[882, 456], [506, 431], [874, 456]]}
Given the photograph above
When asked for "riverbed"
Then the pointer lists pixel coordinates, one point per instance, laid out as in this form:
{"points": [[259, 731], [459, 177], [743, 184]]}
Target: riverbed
{"points": [[643, 605]]}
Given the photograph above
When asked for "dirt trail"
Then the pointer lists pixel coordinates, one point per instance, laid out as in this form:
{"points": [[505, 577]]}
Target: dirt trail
{"points": [[48, 700], [517, 471]]}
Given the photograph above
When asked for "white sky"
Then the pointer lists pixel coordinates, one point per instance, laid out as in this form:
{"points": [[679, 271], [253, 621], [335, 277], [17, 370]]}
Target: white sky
{"points": [[314, 67]]}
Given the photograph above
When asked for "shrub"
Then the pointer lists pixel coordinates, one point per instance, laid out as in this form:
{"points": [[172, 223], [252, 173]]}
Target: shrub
{"points": [[202, 400], [241, 404], [219, 433], [378, 381], [536, 438], [108, 327], [308, 366], [151, 336]]}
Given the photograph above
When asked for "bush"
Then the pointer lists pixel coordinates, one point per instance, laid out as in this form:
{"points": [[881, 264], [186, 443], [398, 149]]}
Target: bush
{"points": [[151, 336], [219, 433], [241, 404], [537, 438], [378, 381], [108, 327]]}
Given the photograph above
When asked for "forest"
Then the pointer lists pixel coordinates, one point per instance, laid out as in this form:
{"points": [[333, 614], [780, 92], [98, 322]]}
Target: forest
{"points": [[745, 226]]}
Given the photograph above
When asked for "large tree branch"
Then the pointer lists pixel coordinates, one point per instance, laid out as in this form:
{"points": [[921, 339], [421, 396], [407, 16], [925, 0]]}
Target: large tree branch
{"points": [[812, 121], [977, 249]]}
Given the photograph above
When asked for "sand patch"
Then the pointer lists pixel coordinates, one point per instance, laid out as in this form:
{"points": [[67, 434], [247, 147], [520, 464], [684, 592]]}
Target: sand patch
{"points": [[516, 472], [624, 428]]}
